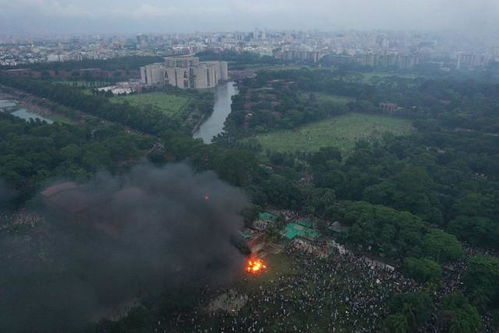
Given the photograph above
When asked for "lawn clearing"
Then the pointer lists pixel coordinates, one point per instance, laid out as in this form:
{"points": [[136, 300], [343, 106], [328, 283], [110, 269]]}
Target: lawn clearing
{"points": [[341, 132], [60, 118], [329, 98], [172, 105], [372, 77]]}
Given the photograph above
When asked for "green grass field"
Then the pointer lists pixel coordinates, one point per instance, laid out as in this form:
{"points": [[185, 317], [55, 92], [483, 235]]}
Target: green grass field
{"points": [[278, 265], [60, 118], [172, 105], [341, 132], [370, 78], [328, 98]]}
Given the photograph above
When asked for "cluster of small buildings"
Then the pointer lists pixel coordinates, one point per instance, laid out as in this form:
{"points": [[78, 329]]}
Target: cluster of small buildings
{"points": [[24, 51], [402, 61], [300, 233], [389, 107], [76, 74], [122, 88], [298, 55], [374, 48], [297, 231]]}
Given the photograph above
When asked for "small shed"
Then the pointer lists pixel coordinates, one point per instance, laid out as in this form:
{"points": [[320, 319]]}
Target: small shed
{"points": [[266, 216], [294, 230], [305, 223], [337, 227], [264, 220]]}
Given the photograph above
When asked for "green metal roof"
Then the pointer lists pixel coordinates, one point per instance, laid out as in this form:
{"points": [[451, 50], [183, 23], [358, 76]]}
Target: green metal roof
{"points": [[294, 230], [245, 235], [265, 216], [306, 223]]}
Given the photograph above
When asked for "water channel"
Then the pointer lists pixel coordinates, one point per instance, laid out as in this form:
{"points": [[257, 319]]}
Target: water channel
{"points": [[215, 123], [12, 108], [28, 115], [207, 131]]}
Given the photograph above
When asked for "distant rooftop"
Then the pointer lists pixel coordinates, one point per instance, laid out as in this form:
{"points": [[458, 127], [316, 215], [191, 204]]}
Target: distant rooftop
{"points": [[49, 191]]}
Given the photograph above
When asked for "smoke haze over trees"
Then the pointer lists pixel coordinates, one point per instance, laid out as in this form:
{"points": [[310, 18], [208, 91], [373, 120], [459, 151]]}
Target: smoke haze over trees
{"points": [[115, 238]]}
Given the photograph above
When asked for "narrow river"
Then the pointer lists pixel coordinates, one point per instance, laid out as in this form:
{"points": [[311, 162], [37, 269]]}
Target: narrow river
{"points": [[13, 108], [215, 123]]}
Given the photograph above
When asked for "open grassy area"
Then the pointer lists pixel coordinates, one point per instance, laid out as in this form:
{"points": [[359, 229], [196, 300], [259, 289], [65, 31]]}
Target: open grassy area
{"points": [[341, 132], [278, 264], [289, 268], [370, 77], [328, 98], [172, 105], [60, 118]]}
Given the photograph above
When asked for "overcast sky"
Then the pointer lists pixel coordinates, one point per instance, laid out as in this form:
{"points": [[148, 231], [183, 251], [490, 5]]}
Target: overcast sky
{"points": [[160, 16]]}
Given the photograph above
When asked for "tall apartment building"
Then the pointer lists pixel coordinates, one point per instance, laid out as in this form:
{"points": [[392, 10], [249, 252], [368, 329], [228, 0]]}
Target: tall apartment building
{"points": [[185, 73], [311, 56], [470, 60], [388, 60]]}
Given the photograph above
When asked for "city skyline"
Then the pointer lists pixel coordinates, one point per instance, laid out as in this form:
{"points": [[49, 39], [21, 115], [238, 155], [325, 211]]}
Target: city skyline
{"points": [[128, 16]]}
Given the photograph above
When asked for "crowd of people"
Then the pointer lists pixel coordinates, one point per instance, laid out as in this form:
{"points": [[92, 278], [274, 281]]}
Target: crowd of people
{"points": [[341, 293], [22, 220], [453, 280]]}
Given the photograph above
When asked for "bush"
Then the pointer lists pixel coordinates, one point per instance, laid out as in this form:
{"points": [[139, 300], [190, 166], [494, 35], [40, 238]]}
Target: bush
{"points": [[423, 270]]}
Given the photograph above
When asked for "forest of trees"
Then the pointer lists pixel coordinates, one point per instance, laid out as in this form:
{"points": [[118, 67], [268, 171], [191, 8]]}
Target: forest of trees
{"points": [[465, 105], [418, 201], [33, 153], [152, 121]]}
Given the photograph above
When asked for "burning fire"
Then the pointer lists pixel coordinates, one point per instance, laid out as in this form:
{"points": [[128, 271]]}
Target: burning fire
{"points": [[255, 266]]}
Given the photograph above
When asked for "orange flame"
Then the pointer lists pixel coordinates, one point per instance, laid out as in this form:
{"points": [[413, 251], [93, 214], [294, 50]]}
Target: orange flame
{"points": [[255, 266]]}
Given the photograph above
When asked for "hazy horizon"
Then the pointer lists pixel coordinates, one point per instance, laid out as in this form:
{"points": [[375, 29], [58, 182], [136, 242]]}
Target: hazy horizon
{"points": [[155, 16]]}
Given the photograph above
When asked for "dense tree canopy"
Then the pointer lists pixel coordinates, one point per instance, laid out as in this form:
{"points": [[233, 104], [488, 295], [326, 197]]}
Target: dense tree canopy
{"points": [[424, 270], [34, 152], [146, 119], [482, 281], [458, 316], [415, 307], [408, 199]]}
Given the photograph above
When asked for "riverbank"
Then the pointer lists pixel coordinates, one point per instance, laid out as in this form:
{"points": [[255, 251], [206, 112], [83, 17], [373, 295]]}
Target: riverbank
{"points": [[33, 104], [214, 124]]}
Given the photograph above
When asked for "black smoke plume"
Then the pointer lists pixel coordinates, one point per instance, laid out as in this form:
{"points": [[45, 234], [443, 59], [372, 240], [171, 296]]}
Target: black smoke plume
{"points": [[6, 194], [114, 239]]}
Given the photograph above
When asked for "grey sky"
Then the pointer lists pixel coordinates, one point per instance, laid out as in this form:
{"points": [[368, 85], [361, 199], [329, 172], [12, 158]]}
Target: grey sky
{"points": [[133, 16]]}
